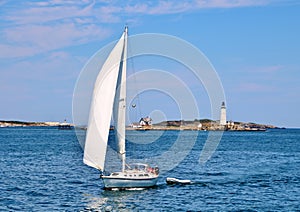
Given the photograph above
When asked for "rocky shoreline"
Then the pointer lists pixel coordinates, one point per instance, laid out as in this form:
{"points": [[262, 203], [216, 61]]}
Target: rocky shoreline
{"points": [[203, 124], [206, 125], [30, 124]]}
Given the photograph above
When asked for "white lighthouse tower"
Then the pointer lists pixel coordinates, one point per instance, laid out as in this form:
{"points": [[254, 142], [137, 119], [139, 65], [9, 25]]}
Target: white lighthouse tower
{"points": [[223, 115]]}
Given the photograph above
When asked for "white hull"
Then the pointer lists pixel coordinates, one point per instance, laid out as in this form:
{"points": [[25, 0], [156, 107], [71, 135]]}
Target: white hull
{"points": [[119, 182], [135, 176]]}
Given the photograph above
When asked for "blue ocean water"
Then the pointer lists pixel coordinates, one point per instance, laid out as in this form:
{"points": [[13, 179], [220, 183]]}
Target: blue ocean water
{"points": [[42, 170]]}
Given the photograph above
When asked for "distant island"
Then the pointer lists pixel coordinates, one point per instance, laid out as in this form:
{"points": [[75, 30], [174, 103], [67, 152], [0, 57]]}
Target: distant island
{"points": [[32, 124], [197, 124], [145, 123], [203, 124]]}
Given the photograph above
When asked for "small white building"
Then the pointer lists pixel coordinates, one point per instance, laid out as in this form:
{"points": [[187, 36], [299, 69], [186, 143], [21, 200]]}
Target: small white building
{"points": [[146, 121], [52, 123], [223, 115]]}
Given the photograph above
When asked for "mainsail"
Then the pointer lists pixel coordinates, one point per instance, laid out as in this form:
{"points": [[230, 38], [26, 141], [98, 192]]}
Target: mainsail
{"points": [[119, 111], [107, 94]]}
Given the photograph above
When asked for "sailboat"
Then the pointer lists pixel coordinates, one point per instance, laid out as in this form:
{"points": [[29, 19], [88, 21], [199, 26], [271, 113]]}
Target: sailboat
{"points": [[109, 98]]}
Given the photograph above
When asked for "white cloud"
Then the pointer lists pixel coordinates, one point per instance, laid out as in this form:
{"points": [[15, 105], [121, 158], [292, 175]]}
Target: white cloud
{"points": [[270, 69], [41, 26], [172, 7], [28, 40], [36, 27], [36, 14], [56, 69], [255, 87], [266, 70], [12, 51]]}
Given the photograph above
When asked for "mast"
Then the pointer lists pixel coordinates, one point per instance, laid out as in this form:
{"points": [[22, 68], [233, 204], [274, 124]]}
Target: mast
{"points": [[124, 81]]}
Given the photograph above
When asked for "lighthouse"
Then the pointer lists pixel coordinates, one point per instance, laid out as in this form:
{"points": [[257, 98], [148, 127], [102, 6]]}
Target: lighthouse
{"points": [[223, 115]]}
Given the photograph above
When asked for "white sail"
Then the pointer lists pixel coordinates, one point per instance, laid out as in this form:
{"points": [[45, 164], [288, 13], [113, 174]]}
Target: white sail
{"points": [[102, 107], [119, 111], [110, 97]]}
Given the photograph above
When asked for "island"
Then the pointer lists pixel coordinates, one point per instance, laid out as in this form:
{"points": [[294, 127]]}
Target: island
{"points": [[144, 124], [202, 124], [4, 123]]}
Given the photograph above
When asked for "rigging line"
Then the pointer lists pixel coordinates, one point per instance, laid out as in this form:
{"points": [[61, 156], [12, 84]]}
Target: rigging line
{"points": [[130, 61], [136, 99]]}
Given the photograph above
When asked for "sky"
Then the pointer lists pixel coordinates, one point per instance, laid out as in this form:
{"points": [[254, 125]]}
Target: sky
{"points": [[253, 45]]}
